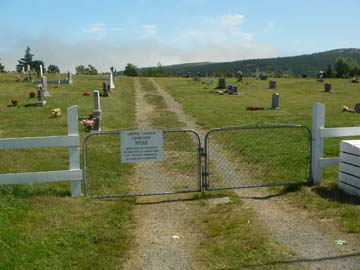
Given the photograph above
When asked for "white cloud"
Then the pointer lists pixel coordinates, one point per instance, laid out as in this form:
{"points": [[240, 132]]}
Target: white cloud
{"points": [[232, 20], [100, 30], [149, 30], [221, 29], [95, 28]]}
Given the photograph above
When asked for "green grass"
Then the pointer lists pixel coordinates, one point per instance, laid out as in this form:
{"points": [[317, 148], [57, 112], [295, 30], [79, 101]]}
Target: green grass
{"points": [[41, 227], [234, 238], [296, 98]]}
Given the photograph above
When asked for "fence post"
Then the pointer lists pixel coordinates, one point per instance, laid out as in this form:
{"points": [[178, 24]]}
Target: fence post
{"points": [[74, 151], [318, 122]]}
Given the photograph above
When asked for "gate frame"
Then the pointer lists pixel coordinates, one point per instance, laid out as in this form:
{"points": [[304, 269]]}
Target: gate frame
{"points": [[206, 175], [199, 161]]}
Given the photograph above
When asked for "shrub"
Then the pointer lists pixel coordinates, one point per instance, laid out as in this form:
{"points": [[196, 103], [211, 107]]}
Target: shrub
{"points": [[32, 94]]}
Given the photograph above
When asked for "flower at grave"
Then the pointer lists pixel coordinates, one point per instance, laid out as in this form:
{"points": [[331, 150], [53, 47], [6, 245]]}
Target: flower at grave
{"points": [[86, 93], [32, 94], [56, 112], [14, 101], [254, 108], [88, 123]]}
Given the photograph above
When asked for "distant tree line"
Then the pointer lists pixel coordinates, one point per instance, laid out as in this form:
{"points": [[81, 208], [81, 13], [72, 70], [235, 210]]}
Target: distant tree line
{"points": [[293, 66], [89, 70]]}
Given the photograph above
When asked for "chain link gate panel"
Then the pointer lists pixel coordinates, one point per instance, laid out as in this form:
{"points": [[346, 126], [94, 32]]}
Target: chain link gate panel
{"points": [[257, 156], [106, 177]]}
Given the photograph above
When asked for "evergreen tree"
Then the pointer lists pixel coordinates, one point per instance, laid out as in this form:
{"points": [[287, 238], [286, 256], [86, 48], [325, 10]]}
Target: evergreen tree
{"points": [[329, 72], [26, 60], [2, 68]]}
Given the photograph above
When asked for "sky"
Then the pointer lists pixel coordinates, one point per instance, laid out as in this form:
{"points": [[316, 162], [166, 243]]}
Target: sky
{"points": [[69, 33]]}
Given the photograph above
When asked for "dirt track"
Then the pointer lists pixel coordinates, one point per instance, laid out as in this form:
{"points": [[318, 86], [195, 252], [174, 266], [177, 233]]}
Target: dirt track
{"points": [[165, 239]]}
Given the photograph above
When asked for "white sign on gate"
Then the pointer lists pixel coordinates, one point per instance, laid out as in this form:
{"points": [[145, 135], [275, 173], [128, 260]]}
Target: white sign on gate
{"points": [[141, 146]]}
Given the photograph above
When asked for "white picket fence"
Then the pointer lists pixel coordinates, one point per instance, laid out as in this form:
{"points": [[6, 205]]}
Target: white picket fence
{"points": [[72, 140], [319, 133]]}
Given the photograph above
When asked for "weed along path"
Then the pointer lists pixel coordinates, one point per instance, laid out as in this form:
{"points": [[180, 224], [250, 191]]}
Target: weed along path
{"points": [[312, 242], [163, 235]]}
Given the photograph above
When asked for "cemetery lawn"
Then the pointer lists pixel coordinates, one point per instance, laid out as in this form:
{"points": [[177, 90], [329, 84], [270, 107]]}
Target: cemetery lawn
{"points": [[41, 226], [296, 98]]}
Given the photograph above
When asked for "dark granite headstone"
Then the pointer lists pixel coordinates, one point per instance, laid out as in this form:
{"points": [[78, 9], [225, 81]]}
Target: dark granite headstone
{"points": [[221, 83], [327, 87], [272, 84], [357, 107]]}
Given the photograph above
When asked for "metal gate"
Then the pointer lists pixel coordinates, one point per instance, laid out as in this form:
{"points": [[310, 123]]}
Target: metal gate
{"points": [[106, 177], [232, 157], [257, 156]]}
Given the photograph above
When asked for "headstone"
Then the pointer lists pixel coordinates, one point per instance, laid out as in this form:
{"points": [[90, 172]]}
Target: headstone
{"points": [[28, 68], [97, 108], [304, 75], [239, 76], [233, 90], [41, 71], [40, 96], [112, 85], [70, 81], [96, 126], [272, 84], [45, 86], [257, 73], [23, 70], [229, 89], [275, 101], [105, 90], [221, 83], [357, 107], [327, 87]]}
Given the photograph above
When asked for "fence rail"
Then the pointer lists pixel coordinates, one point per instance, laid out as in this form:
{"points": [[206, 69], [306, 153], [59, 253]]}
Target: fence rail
{"points": [[72, 140], [319, 133]]}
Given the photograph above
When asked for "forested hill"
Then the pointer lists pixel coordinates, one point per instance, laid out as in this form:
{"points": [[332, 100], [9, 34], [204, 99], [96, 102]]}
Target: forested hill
{"points": [[294, 65]]}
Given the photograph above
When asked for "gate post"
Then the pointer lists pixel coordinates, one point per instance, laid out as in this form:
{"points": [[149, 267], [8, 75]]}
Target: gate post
{"points": [[74, 151], [317, 143]]}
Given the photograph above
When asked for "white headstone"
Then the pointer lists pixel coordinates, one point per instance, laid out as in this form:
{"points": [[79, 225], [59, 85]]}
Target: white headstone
{"points": [[45, 86], [41, 71], [22, 69], [112, 85], [70, 81], [257, 73], [28, 68]]}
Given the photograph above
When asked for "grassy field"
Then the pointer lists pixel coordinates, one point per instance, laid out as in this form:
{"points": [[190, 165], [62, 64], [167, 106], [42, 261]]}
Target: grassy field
{"points": [[41, 227], [296, 98]]}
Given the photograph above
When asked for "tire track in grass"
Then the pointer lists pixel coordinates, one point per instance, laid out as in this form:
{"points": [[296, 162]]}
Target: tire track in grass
{"points": [[163, 235], [313, 243]]}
